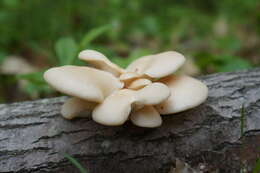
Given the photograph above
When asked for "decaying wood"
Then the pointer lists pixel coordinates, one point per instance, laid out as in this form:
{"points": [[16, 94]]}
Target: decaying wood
{"points": [[34, 137]]}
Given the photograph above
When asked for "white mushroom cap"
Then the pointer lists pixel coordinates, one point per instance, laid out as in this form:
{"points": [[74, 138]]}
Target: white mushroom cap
{"points": [[186, 93], [158, 65], [115, 109], [129, 76], [152, 94], [139, 83], [100, 61], [146, 117], [82, 82], [75, 107]]}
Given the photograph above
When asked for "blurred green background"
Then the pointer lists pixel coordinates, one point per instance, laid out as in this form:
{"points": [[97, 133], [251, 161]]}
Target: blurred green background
{"points": [[215, 36]]}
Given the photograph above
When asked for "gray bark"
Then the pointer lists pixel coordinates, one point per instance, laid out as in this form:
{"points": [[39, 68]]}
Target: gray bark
{"points": [[34, 136]]}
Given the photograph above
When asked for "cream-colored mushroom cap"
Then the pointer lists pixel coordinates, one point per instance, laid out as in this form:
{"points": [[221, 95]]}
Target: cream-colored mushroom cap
{"points": [[146, 117], [152, 94], [186, 93], [158, 65], [129, 76], [116, 108], [75, 107], [100, 61], [82, 82], [139, 83]]}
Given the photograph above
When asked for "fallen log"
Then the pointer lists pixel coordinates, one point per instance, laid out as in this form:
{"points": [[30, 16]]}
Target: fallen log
{"points": [[211, 137]]}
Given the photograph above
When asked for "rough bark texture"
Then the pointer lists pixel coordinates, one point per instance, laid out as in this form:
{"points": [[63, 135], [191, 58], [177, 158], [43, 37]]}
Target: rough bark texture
{"points": [[34, 136]]}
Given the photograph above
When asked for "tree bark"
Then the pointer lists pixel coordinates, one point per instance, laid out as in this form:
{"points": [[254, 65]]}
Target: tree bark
{"points": [[34, 136]]}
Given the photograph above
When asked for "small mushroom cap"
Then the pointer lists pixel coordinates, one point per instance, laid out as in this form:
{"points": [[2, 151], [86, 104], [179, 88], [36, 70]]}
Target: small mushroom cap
{"points": [[129, 76], [100, 61], [82, 82], [75, 107], [186, 93], [139, 83], [152, 94], [158, 65], [115, 109], [146, 117]]}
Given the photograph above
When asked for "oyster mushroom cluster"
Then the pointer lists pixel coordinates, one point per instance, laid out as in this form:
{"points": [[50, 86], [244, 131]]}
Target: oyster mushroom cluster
{"points": [[141, 92]]}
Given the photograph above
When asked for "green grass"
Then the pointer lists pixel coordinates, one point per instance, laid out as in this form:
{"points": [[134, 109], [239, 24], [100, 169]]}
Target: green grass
{"points": [[76, 163]]}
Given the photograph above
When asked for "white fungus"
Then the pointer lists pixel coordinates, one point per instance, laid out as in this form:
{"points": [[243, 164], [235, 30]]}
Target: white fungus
{"points": [[113, 95]]}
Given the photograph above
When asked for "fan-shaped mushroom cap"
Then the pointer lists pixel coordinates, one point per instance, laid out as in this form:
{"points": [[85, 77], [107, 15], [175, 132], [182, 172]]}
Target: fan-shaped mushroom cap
{"points": [[82, 82], [115, 109], [158, 65], [146, 117], [186, 93], [139, 83], [152, 94], [100, 61], [75, 107], [129, 76]]}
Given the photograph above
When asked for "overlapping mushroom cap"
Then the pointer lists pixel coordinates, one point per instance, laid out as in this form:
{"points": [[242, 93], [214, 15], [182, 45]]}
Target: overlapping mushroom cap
{"points": [[141, 92]]}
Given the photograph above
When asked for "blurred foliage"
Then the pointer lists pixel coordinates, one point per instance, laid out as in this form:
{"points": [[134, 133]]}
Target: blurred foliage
{"points": [[219, 35], [35, 85], [66, 50]]}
